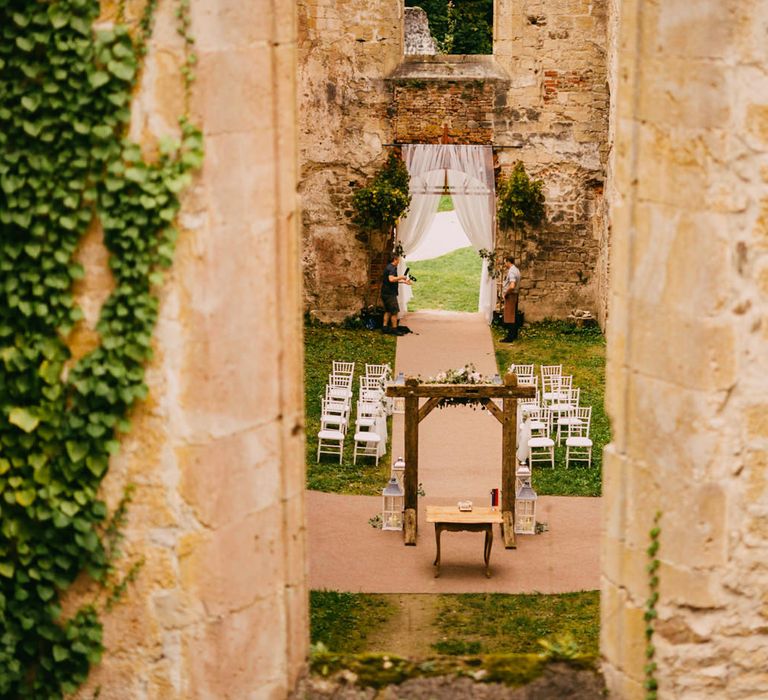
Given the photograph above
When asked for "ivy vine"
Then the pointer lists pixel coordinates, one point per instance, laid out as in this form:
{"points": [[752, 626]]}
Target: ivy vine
{"points": [[520, 200], [381, 203], [65, 163], [651, 684]]}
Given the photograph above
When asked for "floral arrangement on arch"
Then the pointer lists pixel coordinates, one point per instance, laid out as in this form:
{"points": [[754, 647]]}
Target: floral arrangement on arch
{"points": [[467, 374]]}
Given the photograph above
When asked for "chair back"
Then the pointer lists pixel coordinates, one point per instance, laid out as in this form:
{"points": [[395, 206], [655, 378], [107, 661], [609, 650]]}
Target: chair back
{"points": [[340, 381], [343, 367], [382, 372], [582, 427]]}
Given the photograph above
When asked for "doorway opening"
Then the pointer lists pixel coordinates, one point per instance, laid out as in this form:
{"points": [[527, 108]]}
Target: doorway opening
{"points": [[424, 235], [446, 267]]}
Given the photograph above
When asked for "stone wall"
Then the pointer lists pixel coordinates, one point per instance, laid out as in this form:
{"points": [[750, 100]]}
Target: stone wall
{"points": [[554, 118], [688, 350], [346, 49], [219, 609], [541, 98]]}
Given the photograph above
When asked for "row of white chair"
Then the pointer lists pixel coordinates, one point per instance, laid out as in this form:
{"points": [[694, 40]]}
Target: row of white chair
{"points": [[336, 407], [555, 409]]}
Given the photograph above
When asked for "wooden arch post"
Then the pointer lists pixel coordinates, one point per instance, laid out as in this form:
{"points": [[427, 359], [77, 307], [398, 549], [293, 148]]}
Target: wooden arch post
{"points": [[509, 393]]}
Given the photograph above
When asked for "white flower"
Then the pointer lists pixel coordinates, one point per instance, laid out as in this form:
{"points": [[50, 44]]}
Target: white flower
{"points": [[476, 377], [440, 377]]}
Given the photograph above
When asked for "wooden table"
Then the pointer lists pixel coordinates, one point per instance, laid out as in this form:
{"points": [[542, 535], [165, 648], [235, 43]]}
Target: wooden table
{"points": [[450, 518]]}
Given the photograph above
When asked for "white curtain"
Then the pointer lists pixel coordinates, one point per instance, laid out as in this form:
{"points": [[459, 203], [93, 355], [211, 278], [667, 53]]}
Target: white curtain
{"points": [[470, 177], [472, 189], [423, 164]]}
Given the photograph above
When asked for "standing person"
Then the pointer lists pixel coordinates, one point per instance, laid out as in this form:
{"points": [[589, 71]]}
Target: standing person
{"points": [[510, 291], [389, 287]]}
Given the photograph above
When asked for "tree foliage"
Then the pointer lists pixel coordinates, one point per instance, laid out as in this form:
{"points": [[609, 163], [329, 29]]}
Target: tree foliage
{"points": [[380, 204], [459, 26], [520, 200]]}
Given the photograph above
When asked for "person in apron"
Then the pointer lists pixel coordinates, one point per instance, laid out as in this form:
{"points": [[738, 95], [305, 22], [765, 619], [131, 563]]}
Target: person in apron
{"points": [[510, 292]]}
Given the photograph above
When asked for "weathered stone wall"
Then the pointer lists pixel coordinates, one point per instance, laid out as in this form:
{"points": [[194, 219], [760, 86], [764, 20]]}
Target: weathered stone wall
{"points": [[219, 608], [541, 98], [417, 39], [688, 350], [346, 49], [554, 118]]}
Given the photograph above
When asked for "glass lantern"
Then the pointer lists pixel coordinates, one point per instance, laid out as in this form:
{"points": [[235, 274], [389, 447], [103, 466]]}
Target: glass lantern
{"points": [[522, 475], [398, 471], [525, 510], [392, 508]]}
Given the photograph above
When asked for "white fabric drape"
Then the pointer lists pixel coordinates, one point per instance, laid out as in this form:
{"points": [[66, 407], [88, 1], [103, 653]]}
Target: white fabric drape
{"points": [[470, 177]]}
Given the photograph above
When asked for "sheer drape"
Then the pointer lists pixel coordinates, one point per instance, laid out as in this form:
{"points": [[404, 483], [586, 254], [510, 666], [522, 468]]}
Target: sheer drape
{"points": [[472, 189], [470, 177]]}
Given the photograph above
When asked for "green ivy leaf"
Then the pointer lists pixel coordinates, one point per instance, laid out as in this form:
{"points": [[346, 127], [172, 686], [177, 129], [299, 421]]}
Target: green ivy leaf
{"points": [[7, 568], [26, 497], [23, 418]]}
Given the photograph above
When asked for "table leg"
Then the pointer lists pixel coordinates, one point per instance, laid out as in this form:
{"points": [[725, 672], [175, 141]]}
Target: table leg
{"points": [[438, 532], [487, 551]]}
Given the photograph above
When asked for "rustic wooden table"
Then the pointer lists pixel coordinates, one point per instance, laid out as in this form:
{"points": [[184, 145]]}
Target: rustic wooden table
{"points": [[450, 518]]}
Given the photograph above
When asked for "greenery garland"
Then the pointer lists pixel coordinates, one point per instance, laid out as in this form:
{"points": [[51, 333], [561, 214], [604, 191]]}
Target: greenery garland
{"points": [[520, 200], [380, 204], [65, 94]]}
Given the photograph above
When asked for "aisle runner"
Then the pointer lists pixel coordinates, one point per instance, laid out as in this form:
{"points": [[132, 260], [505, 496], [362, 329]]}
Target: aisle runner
{"points": [[459, 457]]}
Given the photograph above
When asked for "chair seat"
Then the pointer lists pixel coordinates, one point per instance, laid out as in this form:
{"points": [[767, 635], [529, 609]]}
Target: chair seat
{"points": [[333, 418], [578, 442], [367, 436], [330, 435], [365, 422], [561, 407], [340, 393], [539, 425], [569, 420], [541, 442]]}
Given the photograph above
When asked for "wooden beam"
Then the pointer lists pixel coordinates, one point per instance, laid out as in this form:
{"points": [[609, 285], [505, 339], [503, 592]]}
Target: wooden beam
{"points": [[427, 408], [491, 406], [411, 479], [508, 463], [469, 391]]}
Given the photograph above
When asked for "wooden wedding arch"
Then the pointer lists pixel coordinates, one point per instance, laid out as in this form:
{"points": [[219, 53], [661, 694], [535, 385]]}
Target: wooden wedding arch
{"points": [[509, 392]]}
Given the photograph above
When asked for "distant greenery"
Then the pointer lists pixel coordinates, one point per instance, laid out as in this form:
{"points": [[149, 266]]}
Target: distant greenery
{"points": [[342, 621], [459, 26], [450, 282], [322, 345], [446, 203], [520, 200], [581, 351], [479, 623]]}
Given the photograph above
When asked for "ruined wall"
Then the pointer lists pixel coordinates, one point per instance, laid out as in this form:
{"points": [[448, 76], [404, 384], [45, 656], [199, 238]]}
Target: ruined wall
{"points": [[346, 49], [216, 453], [554, 118], [688, 350], [541, 98]]}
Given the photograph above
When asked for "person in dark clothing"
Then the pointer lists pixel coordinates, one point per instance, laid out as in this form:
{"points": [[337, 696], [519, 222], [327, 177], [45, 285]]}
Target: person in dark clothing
{"points": [[389, 286]]}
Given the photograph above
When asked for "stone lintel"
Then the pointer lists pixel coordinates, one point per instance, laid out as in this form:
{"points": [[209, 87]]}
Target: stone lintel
{"points": [[449, 68]]}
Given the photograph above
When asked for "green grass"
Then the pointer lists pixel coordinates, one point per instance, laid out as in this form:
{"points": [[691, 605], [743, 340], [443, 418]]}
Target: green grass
{"points": [[582, 354], [477, 623], [446, 203], [322, 345], [342, 621], [450, 282]]}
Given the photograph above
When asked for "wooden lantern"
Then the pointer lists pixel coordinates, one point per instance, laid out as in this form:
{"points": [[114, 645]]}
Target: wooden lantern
{"points": [[393, 506], [525, 510]]}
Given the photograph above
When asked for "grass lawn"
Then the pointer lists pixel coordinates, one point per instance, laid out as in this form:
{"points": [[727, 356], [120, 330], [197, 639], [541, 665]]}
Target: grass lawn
{"points": [[465, 624], [478, 623], [322, 345], [450, 282], [582, 353], [342, 621], [446, 203]]}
